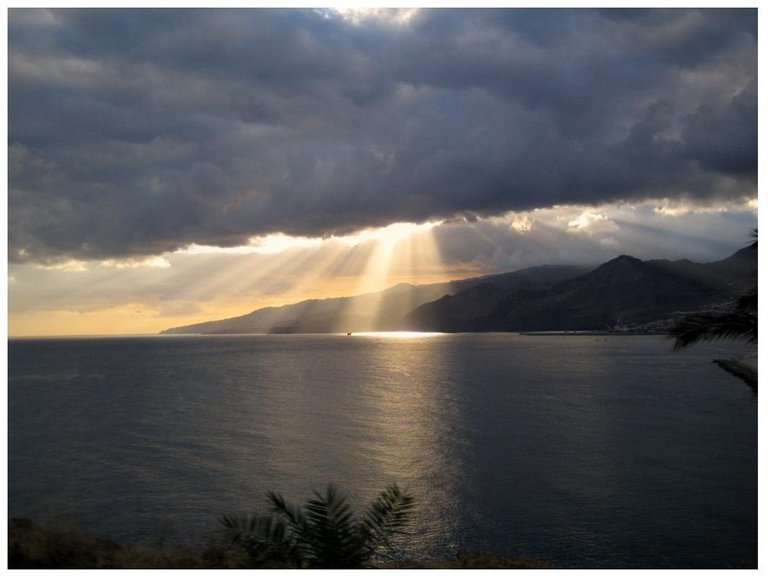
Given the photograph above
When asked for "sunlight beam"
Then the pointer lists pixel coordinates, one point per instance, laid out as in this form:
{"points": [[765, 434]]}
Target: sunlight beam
{"points": [[400, 252]]}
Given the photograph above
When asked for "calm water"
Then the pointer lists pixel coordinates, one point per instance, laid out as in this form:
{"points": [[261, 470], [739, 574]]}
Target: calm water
{"points": [[582, 451]]}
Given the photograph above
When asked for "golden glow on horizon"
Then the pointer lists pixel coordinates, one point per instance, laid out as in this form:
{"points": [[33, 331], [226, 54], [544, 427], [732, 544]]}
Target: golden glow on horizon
{"points": [[399, 334], [203, 283], [133, 318], [125, 319], [297, 268]]}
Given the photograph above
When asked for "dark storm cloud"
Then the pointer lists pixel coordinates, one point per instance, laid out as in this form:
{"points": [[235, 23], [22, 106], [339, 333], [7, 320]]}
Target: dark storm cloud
{"points": [[141, 131]]}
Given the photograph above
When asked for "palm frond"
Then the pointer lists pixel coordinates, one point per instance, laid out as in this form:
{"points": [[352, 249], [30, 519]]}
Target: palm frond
{"points": [[282, 508], [297, 522], [387, 516], [332, 536], [265, 539], [740, 370], [707, 326], [324, 532]]}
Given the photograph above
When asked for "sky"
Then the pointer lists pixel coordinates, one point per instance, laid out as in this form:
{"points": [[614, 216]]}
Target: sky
{"points": [[175, 166]]}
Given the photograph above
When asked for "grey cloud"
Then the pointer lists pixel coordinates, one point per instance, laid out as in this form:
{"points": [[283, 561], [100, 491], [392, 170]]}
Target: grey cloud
{"points": [[479, 246], [142, 131], [722, 138], [494, 245]]}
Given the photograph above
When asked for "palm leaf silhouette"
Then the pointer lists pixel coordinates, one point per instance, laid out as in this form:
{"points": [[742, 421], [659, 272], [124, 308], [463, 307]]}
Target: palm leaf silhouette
{"points": [[323, 533], [265, 539], [735, 325], [387, 516]]}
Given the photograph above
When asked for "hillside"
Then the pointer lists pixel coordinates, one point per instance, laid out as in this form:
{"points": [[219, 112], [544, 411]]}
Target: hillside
{"points": [[623, 292], [376, 311]]}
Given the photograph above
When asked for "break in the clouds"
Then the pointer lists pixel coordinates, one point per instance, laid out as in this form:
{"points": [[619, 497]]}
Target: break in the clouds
{"points": [[138, 132]]}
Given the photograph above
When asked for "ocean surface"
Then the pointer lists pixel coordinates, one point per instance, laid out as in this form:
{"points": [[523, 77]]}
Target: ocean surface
{"points": [[583, 451]]}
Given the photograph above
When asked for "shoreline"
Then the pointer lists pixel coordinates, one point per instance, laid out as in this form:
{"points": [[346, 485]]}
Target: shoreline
{"points": [[588, 333]]}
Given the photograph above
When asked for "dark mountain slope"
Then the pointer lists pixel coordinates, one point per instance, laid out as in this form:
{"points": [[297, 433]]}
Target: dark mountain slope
{"points": [[731, 275], [623, 291], [377, 311], [464, 312]]}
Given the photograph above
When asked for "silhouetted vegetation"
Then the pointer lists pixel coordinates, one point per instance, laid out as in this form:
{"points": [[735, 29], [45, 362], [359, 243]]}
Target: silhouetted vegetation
{"points": [[323, 533], [739, 322], [33, 546]]}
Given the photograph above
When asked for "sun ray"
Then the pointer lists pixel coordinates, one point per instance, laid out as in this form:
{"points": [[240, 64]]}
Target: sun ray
{"points": [[394, 259], [372, 279], [202, 283]]}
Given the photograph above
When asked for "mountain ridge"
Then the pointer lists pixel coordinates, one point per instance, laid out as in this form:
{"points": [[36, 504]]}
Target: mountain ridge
{"points": [[394, 302], [624, 292]]}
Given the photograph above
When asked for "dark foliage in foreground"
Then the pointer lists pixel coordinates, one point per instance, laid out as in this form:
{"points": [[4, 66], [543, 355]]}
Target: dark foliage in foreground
{"points": [[740, 324], [737, 323], [32, 546], [323, 533]]}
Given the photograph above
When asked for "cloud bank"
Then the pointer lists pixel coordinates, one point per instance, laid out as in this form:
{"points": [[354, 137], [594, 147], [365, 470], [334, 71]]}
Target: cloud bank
{"points": [[138, 132]]}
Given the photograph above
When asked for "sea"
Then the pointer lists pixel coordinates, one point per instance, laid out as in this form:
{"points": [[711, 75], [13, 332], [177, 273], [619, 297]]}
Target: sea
{"points": [[582, 451]]}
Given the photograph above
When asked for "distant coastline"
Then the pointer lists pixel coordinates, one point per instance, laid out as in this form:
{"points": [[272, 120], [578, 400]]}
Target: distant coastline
{"points": [[590, 333], [623, 296]]}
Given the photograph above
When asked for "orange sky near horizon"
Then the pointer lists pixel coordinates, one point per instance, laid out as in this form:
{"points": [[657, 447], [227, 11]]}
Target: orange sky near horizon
{"points": [[172, 167], [202, 284], [399, 255], [141, 318]]}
